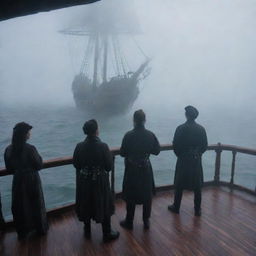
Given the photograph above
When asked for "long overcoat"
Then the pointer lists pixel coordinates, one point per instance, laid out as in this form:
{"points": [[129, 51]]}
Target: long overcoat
{"points": [[138, 182], [28, 206], [93, 162], [189, 143]]}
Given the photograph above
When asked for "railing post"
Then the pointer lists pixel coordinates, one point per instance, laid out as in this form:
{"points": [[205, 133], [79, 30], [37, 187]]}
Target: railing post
{"points": [[112, 185], [217, 164], [233, 167]]}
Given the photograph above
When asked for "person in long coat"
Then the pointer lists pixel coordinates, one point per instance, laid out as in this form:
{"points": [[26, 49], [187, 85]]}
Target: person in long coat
{"points": [[189, 143], [138, 182], [93, 162], [28, 207]]}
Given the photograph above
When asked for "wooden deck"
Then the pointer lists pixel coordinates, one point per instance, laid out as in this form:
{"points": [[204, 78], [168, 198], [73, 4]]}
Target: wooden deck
{"points": [[227, 227]]}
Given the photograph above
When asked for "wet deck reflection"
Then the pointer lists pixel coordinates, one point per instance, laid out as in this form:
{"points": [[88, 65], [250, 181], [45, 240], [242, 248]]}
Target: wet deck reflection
{"points": [[227, 227]]}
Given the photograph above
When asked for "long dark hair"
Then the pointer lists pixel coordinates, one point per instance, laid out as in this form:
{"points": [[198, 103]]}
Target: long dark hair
{"points": [[19, 137]]}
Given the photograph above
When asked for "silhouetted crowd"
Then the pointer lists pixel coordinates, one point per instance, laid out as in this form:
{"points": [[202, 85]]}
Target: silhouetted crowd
{"points": [[93, 162]]}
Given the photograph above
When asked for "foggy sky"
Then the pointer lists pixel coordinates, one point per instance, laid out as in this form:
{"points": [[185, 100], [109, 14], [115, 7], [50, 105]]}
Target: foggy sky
{"points": [[203, 53]]}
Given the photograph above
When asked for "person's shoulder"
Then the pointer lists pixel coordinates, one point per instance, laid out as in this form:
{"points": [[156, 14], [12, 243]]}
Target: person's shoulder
{"points": [[200, 126], [103, 145], [181, 126], [149, 132], [129, 133], [99, 142], [29, 146], [80, 145], [8, 148]]}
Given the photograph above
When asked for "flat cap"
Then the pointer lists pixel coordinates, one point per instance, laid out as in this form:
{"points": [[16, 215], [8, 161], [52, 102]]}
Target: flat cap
{"points": [[191, 112]]}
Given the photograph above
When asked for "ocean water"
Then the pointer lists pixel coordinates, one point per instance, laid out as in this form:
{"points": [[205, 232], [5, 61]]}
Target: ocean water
{"points": [[57, 130]]}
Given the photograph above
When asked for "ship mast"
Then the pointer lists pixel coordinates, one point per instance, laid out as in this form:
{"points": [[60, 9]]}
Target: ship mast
{"points": [[96, 59], [105, 58]]}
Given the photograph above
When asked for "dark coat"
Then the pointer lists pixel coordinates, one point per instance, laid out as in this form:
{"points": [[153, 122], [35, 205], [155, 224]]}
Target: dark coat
{"points": [[28, 207], [93, 196], [189, 143], [138, 182]]}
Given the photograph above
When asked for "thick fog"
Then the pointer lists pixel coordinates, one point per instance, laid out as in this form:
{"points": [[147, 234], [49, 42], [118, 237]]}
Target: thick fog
{"points": [[203, 52]]}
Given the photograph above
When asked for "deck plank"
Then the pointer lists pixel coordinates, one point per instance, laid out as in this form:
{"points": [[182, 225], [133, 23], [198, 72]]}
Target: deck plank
{"points": [[227, 227]]}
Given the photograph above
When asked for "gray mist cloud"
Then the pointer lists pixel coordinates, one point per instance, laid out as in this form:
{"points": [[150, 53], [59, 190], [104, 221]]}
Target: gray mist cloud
{"points": [[203, 52]]}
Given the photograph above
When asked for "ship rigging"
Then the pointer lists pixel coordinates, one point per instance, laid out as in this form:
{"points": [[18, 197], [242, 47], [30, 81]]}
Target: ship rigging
{"points": [[94, 88]]}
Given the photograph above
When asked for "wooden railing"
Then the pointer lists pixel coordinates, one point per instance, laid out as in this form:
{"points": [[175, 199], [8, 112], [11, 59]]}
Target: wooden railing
{"points": [[218, 148]]}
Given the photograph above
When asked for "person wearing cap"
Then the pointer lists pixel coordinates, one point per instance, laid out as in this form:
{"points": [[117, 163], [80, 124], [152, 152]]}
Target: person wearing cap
{"points": [[93, 162], [23, 160], [138, 181], [189, 143]]}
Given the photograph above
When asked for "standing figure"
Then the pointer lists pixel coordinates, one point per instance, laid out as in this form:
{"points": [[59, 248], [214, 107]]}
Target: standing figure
{"points": [[189, 143], [93, 162], [28, 207], [138, 183]]}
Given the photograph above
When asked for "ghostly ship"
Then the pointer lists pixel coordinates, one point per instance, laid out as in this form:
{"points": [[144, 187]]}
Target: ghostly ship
{"points": [[227, 226], [94, 89]]}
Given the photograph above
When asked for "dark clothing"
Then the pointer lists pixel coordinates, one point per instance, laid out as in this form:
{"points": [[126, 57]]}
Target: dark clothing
{"points": [[130, 210], [189, 143], [138, 183], [197, 198], [106, 225], [93, 160], [28, 207]]}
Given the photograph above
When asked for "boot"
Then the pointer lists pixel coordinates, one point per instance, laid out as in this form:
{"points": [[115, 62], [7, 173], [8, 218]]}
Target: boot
{"points": [[87, 230], [2, 224], [198, 212], [173, 209], [126, 224], [146, 223], [112, 235]]}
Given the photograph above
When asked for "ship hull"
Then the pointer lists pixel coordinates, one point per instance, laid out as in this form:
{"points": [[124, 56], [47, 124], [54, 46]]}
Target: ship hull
{"points": [[109, 98]]}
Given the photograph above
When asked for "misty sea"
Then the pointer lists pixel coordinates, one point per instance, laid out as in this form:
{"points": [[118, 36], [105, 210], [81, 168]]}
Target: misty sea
{"points": [[56, 131]]}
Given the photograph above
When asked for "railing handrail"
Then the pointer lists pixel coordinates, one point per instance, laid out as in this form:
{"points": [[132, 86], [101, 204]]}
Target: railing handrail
{"points": [[218, 148], [61, 161]]}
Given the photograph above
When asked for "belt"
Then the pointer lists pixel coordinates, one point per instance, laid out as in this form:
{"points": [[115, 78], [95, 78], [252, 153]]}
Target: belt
{"points": [[139, 162], [91, 172]]}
